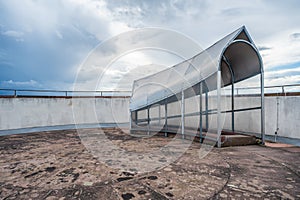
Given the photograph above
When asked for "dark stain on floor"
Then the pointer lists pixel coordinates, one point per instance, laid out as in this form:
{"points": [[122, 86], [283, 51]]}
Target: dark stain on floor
{"points": [[56, 165]]}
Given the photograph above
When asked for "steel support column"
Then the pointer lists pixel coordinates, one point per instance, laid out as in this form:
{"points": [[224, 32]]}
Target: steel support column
{"points": [[219, 107], [136, 118], [148, 120], [206, 108], [200, 112], [166, 118], [232, 105], [159, 115], [262, 99], [130, 121], [182, 113]]}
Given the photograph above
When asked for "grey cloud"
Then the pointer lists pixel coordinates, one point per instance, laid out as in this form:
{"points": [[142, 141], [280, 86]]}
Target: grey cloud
{"points": [[231, 11], [280, 75], [24, 84], [12, 33], [82, 28], [295, 36], [124, 81], [264, 48], [144, 13]]}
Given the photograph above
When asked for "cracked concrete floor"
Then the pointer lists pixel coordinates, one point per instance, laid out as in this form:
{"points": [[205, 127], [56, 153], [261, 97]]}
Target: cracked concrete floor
{"points": [[56, 165]]}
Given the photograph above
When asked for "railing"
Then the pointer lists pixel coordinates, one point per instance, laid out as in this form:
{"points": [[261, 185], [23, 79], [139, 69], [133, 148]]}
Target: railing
{"points": [[268, 89], [68, 93], [60, 93]]}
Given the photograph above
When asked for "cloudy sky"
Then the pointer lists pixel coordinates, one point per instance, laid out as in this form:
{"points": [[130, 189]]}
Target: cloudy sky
{"points": [[45, 43]]}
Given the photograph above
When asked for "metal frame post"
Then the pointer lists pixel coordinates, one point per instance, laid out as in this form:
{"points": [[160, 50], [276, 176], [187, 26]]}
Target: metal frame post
{"points": [[148, 120], [200, 113], [136, 118], [232, 106], [219, 107], [166, 118], [130, 121], [262, 99], [159, 115], [206, 108], [182, 113]]}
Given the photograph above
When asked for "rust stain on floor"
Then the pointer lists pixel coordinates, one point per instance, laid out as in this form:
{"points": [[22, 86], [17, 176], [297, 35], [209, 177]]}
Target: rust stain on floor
{"points": [[56, 165]]}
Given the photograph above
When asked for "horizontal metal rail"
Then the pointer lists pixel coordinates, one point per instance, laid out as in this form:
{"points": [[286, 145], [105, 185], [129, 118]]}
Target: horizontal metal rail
{"points": [[210, 112], [283, 88], [70, 93], [61, 93], [175, 130]]}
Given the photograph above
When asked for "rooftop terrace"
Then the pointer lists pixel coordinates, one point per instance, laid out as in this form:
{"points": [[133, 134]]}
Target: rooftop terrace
{"points": [[56, 165]]}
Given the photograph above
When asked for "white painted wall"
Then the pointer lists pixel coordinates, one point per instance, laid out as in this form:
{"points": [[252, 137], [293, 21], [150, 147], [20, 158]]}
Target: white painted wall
{"points": [[288, 115], [18, 113]]}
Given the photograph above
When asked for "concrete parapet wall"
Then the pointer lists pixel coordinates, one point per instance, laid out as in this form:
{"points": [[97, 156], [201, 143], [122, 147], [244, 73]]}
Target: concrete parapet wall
{"points": [[16, 113], [280, 111], [288, 116]]}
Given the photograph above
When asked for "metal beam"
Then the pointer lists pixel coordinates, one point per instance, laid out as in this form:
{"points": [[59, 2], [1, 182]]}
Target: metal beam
{"points": [[210, 112]]}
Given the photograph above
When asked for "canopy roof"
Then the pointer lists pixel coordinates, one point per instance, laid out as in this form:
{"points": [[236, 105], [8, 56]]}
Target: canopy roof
{"points": [[236, 56]]}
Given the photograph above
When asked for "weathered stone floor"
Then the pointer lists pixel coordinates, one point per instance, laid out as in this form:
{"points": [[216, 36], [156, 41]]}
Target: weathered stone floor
{"points": [[56, 165]]}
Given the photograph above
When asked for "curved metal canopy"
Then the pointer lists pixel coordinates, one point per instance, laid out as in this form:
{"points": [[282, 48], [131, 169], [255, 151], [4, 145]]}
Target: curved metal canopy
{"points": [[236, 56]]}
